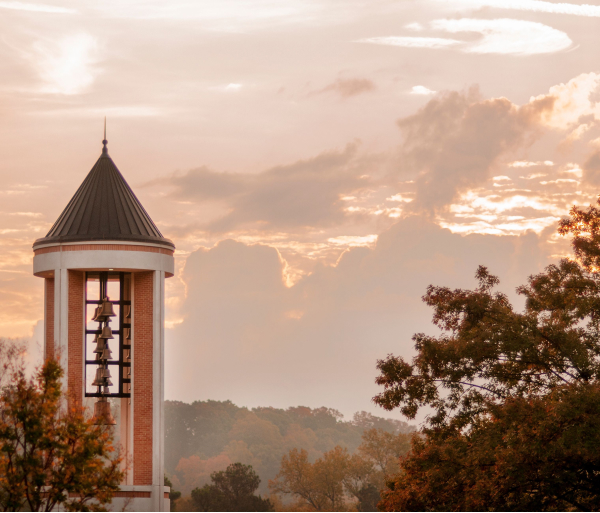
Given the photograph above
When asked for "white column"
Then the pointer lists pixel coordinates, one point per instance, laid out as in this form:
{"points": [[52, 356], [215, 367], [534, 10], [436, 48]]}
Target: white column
{"points": [[158, 388], [61, 321]]}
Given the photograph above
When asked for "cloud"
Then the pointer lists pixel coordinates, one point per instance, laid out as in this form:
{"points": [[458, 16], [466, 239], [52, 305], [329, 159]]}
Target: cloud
{"points": [[247, 337], [587, 10], [591, 168], [573, 102], [67, 66], [347, 87], [411, 42], [23, 6], [507, 36], [421, 90], [499, 36], [304, 194], [452, 144]]}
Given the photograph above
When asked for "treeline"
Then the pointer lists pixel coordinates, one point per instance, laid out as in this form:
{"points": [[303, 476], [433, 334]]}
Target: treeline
{"points": [[207, 436]]}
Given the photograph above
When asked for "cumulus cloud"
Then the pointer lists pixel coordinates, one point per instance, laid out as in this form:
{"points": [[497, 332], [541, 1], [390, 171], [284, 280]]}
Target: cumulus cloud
{"points": [[247, 337], [573, 102], [453, 142], [347, 87], [307, 193], [497, 36]]}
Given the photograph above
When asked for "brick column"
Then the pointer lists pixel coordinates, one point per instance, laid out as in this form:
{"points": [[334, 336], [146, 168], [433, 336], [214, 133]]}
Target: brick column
{"points": [[76, 333], [142, 345], [49, 318]]}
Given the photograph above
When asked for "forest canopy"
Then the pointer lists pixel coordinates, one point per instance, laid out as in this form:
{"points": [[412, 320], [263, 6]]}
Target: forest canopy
{"points": [[207, 436]]}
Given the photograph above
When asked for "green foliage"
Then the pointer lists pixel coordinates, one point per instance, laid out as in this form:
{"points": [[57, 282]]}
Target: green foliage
{"points": [[51, 454], [515, 395], [231, 490], [207, 436]]}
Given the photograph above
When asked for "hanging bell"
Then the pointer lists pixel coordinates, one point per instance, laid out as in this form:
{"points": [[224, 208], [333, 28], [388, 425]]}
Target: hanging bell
{"points": [[127, 355], [99, 379], [106, 354], [102, 345], [97, 316], [102, 414], [106, 332], [127, 313], [107, 308], [106, 373]]}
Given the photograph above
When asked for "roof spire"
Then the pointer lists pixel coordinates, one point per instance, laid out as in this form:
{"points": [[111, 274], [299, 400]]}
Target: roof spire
{"points": [[104, 142]]}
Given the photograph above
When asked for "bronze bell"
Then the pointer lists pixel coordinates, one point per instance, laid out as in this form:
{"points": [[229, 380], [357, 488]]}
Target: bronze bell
{"points": [[107, 308], [102, 414], [97, 317], [127, 355], [106, 354], [127, 313], [106, 332], [98, 380], [106, 373], [127, 336], [102, 345]]}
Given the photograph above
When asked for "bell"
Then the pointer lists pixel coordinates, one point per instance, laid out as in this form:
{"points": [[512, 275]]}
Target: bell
{"points": [[127, 336], [102, 345], [107, 308], [126, 372], [102, 414], [99, 379], [106, 373], [106, 332], [106, 354], [127, 355], [127, 313], [97, 314]]}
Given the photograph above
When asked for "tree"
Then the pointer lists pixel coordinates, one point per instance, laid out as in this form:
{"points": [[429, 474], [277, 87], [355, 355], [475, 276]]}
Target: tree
{"points": [[231, 490], [515, 420], [173, 495], [50, 454]]}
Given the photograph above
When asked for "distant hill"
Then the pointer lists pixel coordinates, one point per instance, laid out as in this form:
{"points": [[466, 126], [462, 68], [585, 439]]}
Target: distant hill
{"points": [[206, 436]]}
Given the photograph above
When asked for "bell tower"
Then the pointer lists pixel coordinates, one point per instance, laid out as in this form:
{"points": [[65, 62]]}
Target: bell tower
{"points": [[104, 264]]}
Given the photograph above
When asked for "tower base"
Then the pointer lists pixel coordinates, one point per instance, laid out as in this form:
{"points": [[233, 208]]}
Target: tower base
{"points": [[140, 498]]}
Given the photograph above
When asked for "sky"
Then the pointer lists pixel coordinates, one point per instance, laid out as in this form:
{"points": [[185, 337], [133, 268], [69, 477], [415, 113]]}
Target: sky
{"points": [[317, 164]]}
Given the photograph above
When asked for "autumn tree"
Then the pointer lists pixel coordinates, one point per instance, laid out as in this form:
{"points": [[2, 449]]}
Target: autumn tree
{"points": [[51, 454], [337, 480], [231, 490], [514, 396]]}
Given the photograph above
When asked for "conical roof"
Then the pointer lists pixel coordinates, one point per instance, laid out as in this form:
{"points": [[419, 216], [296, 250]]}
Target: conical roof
{"points": [[104, 208]]}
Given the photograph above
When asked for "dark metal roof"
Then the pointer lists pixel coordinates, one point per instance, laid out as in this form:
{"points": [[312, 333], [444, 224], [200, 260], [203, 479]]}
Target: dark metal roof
{"points": [[104, 208]]}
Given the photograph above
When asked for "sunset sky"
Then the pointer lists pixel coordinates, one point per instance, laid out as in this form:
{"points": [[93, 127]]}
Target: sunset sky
{"points": [[317, 164]]}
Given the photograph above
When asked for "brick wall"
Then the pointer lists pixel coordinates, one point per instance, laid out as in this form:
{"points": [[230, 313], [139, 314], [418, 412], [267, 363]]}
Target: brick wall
{"points": [[143, 295], [76, 341], [49, 315]]}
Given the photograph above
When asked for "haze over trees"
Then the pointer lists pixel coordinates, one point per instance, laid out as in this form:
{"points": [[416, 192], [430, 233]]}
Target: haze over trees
{"points": [[515, 396], [207, 436]]}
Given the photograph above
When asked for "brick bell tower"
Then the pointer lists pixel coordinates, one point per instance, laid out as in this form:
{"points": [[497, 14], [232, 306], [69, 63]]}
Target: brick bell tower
{"points": [[104, 264]]}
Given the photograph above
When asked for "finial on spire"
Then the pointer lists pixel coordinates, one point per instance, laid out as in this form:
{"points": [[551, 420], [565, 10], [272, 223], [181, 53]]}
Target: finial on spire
{"points": [[104, 142]]}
